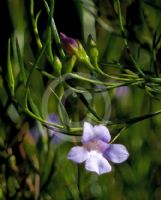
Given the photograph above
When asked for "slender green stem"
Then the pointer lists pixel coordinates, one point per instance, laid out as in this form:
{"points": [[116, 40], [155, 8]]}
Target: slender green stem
{"points": [[100, 82], [34, 24], [41, 52], [105, 88], [110, 85], [49, 34], [62, 112], [109, 76], [118, 134], [21, 63], [132, 121], [59, 127], [55, 32], [11, 81], [44, 73], [125, 41], [141, 118], [42, 120]]}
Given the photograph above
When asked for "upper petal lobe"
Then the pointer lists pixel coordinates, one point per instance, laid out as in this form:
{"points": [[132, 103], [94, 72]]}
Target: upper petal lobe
{"points": [[102, 133], [88, 132]]}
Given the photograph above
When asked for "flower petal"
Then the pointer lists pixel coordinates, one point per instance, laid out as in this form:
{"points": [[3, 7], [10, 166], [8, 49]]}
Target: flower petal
{"points": [[97, 163], [117, 153], [88, 132], [102, 133], [78, 154]]}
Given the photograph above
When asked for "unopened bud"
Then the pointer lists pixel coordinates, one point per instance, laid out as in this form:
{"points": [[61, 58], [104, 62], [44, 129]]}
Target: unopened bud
{"points": [[74, 47], [69, 64], [57, 65], [92, 50], [70, 45]]}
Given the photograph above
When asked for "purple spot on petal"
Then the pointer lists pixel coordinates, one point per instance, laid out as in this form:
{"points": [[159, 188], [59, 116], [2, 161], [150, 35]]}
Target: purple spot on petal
{"points": [[96, 145]]}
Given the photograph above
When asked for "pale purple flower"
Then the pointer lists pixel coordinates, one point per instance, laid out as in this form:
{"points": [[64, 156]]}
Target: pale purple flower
{"points": [[35, 133], [122, 91], [55, 139], [55, 136], [96, 150]]}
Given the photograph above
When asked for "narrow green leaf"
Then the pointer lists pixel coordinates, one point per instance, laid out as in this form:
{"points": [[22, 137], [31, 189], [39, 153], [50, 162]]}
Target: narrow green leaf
{"points": [[86, 103], [125, 40], [10, 76], [62, 111], [39, 56], [34, 24], [55, 32], [57, 66], [20, 60], [69, 64], [141, 118]]}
